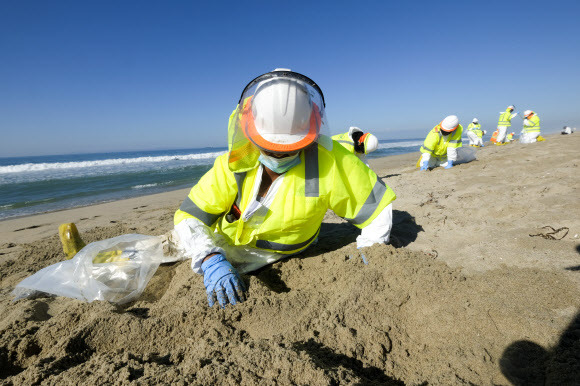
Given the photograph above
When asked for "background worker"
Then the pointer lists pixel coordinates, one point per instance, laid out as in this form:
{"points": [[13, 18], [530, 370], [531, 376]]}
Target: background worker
{"points": [[266, 197], [504, 122], [440, 146], [510, 137], [480, 133], [567, 130], [472, 132], [358, 142], [531, 130]]}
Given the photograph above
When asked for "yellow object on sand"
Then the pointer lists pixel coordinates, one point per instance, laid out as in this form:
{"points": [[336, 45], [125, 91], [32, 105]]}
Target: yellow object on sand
{"points": [[419, 162], [540, 138], [70, 239], [109, 257]]}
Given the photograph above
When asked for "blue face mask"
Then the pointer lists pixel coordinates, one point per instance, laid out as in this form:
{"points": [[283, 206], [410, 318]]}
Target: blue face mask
{"points": [[279, 165]]}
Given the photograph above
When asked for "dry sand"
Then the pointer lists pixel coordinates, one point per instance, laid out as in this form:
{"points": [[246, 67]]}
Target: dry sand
{"points": [[464, 295]]}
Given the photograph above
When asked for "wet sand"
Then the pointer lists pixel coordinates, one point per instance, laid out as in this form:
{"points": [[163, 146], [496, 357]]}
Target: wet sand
{"points": [[480, 285]]}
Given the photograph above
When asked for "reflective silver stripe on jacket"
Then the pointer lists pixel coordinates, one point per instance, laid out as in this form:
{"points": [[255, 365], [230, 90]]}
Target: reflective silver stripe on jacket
{"points": [[371, 204], [455, 141], [311, 172], [264, 244], [189, 207], [240, 177], [345, 141], [427, 149]]}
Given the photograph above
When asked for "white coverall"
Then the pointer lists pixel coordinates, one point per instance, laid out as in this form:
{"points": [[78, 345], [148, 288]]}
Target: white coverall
{"points": [[473, 138], [434, 161], [196, 240]]}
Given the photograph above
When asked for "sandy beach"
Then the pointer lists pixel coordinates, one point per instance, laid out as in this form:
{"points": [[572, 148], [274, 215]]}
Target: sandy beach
{"points": [[480, 285]]}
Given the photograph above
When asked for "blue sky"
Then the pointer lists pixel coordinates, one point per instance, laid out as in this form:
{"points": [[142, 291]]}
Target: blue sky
{"points": [[88, 76]]}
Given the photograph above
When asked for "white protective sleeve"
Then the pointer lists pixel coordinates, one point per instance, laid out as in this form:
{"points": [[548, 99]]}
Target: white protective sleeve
{"points": [[425, 157], [197, 240], [452, 153], [378, 231]]}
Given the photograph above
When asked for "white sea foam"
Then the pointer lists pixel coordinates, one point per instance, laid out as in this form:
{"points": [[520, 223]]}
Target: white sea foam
{"points": [[32, 167], [143, 186], [392, 145]]}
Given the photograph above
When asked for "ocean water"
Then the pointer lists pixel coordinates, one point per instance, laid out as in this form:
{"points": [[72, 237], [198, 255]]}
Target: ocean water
{"points": [[31, 185]]}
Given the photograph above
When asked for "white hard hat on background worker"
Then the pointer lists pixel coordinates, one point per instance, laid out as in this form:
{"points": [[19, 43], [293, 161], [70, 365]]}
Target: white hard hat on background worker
{"points": [[449, 124], [358, 142], [366, 140]]}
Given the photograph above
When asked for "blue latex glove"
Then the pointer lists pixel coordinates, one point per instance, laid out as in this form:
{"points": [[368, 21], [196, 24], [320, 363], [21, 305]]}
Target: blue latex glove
{"points": [[449, 164], [222, 282], [424, 165]]}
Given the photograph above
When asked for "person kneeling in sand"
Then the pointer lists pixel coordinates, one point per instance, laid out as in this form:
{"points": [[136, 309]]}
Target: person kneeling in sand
{"points": [[531, 130], [441, 145], [358, 142], [474, 133], [266, 197]]}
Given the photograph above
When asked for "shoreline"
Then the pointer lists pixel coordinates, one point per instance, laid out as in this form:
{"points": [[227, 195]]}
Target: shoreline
{"points": [[116, 209]]}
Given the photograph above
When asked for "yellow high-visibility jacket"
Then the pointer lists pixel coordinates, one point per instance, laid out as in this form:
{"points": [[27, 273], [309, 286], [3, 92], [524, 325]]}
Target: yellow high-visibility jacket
{"points": [[325, 179], [533, 124], [505, 119], [345, 140], [473, 126], [436, 143]]}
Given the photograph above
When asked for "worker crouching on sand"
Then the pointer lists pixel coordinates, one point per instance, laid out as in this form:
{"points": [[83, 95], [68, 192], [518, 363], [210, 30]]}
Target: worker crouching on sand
{"points": [[531, 130], [266, 197], [475, 134], [358, 142], [440, 146]]}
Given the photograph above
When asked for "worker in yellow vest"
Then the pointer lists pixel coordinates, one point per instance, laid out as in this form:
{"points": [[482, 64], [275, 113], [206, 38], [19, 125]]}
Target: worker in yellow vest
{"points": [[510, 137], [480, 133], [504, 122], [473, 131], [440, 146], [266, 197], [531, 130], [358, 142]]}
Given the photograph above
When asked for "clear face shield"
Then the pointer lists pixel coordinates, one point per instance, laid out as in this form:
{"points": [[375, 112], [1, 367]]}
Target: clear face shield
{"points": [[281, 113]]}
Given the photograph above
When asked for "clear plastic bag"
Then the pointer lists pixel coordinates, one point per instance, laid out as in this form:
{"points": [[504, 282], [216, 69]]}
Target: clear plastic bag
{"points": [[116, 270], [465, 155]]}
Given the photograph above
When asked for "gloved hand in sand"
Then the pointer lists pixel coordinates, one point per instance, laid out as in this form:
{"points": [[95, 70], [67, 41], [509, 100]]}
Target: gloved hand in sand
{"points": [[222, 282]]}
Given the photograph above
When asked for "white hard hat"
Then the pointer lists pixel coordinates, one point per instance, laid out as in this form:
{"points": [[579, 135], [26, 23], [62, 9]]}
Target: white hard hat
{"points": [[450, 123], [475, 120], [511, 107], [353, 129], [528, 113], [283, 116], [370, 141]]}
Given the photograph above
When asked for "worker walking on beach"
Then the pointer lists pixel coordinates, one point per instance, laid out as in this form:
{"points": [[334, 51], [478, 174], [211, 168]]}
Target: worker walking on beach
{"points": [[504, 122], [531, 130], [358, 142], [266, 197], [474, 133], [440, 146]]}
